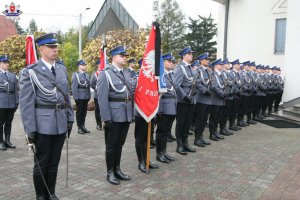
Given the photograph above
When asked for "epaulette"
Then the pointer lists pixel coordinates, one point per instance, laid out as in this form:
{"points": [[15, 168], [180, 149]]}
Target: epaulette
{"points": [[105, 69], [31, 66], [60, 62]]}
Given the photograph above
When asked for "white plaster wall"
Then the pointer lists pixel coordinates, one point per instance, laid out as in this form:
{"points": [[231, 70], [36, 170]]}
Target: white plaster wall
{"points": [[292, 52]]}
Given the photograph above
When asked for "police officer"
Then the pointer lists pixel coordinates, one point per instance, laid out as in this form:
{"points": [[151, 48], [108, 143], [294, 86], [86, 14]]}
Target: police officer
{"points": [[46, 113], [246, 89], [130, 68], [9, 100], [218, 99], [252, 97], [81, 94], [115, 102], [236, 95], [203, 100], [280, 86], [260, 94], [228, 107], [167, 112], [183, 79], [93, 84]]}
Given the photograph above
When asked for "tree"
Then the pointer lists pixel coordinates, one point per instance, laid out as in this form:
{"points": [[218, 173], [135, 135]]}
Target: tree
{"points": [[201, 35], [173, 27], [69, 54], [20, 30], [32, 27], [135, 43]]}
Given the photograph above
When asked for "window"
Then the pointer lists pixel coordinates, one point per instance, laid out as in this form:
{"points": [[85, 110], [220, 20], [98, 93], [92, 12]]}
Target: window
{"points": [[280, 36]]}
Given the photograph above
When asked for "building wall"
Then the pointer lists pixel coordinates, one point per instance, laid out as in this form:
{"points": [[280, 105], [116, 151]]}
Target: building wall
{"points": [[251, 36], [292, 52]]}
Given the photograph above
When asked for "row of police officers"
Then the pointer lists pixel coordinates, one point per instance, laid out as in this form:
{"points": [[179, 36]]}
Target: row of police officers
{"points": [[197, 92]]}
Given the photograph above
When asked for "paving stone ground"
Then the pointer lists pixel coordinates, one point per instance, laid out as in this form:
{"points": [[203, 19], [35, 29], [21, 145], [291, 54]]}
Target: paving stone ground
{"points": [[259, 162]]}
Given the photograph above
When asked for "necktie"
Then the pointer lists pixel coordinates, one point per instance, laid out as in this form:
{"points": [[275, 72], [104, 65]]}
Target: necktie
{"points": [[6, 76], [53, 71], [122, 74]]}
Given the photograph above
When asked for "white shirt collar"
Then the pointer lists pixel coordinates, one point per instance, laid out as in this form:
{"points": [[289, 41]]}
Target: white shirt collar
{"points": [[186, 63], [119, 69], [219, 72], [48, 64], [3, 71]]}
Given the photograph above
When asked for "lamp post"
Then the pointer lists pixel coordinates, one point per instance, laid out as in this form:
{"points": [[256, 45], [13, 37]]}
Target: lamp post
{"points": [[79, 34]]}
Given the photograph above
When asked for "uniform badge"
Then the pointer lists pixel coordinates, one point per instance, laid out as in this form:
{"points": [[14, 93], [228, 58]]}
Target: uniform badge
{"points": [[43, 68]]}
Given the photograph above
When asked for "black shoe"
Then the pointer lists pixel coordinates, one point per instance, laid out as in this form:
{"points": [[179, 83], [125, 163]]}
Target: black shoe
{"points": [[112, 178], [204, 141], [41, 198], [233, 128], [245, 123], [9, 145], [162, 158], [181, 151], [170, 158], [191, 132], [85, 130], [188, 148], [81, 131], [172, 137], [240, 124], [142, 168], [223, 132], [199, 143], [153, 166], [151, 146], [120, 175], [2, 146], [213, 137], [53, 197], [237, 127], [98, 127], [220, 137], [169, 139], [228, 132]]}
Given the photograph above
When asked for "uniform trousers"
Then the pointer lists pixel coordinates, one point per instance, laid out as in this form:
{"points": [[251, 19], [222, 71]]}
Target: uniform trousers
{"points": [[48, 153], [225, 112], [214, 117], [6, 118], [201, 117], [259, 104], [277, 101], [81, 110], [183, 122], [97, 112], [236, 109], [244, 106], [164, 126]]}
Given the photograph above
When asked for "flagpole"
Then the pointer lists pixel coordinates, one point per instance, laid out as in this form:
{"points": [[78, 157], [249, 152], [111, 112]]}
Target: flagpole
{"points": [[148, 146]]}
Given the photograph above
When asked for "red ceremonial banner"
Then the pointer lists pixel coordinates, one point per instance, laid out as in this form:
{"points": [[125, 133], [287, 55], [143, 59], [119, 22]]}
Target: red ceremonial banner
{"points": [[31, 56], [146, 97]]}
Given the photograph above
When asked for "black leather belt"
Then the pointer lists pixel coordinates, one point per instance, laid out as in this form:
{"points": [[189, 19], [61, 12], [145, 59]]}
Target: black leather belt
{"points": [[53, 106], [119, 99], [168, 97], [82, 87], [8, 92]]}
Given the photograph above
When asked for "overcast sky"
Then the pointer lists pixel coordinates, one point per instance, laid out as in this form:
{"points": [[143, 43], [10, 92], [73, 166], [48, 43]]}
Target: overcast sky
{"points": [[56, 15]]}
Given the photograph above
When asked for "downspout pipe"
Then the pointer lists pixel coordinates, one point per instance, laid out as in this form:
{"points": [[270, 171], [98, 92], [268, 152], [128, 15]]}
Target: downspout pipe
{"points": [[226, 29]]}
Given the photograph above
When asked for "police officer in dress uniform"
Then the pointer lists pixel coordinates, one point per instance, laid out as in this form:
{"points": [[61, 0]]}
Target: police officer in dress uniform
{"points": [[130, 68], [252, 98], [93, 84], [183, 79], [218, 99], [228, 107], [234, 73], [245, 93], [280, 86], [166, 113], [81, 94], [46, 113], [9, 100], [115, 102], [261, 93], [203, 99]]}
